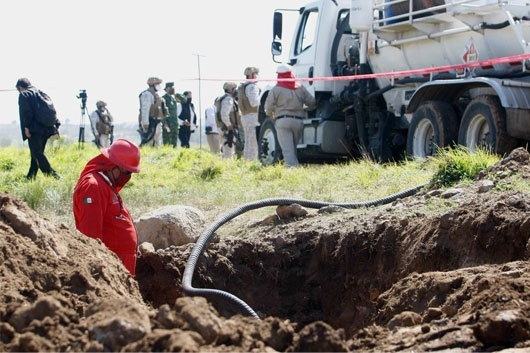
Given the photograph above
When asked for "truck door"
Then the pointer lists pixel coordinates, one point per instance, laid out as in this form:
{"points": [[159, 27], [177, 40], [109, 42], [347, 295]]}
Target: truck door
{"points": [[304, 49]]}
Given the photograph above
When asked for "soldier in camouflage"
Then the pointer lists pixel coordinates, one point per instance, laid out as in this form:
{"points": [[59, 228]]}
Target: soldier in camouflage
{"points": [[171, 125]]}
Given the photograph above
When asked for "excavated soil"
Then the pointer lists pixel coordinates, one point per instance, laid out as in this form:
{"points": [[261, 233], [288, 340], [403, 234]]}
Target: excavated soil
{"points": [[442, 270]]}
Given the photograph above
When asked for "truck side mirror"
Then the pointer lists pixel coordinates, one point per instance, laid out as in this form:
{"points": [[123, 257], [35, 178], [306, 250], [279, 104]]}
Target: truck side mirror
{"points": [[276, 48], [277, 26]]}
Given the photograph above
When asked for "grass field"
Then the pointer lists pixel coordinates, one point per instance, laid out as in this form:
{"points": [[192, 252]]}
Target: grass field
{"points": [[196, 178]]}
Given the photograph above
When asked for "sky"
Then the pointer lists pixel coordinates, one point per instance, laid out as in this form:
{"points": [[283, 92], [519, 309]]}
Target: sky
{"points": [[110, 48]]}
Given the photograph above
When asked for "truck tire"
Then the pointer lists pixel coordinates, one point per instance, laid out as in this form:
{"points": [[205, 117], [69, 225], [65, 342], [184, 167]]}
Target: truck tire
{"points": [[269, 150], [484, 125], [434, 125]]}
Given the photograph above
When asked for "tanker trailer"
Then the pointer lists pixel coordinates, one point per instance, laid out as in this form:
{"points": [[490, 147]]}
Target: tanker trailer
{"points": [[389, 117]]}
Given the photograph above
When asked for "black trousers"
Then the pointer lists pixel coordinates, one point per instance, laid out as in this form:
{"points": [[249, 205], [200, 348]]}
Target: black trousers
{"points": [[184, 136], [37, 143]]}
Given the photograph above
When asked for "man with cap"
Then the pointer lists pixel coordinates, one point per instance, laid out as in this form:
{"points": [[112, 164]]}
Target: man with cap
{"points": [[187, 120], [174, 107], [98, 208], [228, 118], [152, 111], [33, 130], [101, 122], [248, 101], [285, 105]]}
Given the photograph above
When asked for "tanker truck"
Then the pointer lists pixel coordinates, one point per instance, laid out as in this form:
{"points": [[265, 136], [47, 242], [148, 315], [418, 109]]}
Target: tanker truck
{"points": [[388, 117]]}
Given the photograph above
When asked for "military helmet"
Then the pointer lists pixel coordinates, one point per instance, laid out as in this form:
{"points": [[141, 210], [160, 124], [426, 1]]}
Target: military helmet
{"points": [[101, 104], [251, 70], [229, 85], [153, 81]]}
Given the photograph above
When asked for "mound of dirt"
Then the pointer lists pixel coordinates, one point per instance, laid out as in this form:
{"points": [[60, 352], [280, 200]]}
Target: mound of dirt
{"points": [[392, 278]]}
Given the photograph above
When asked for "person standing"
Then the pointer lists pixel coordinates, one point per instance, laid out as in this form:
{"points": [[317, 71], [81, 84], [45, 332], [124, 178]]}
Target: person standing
{"points": [[38, 122], [228, 118], [285, 105], [152, 111], [187, 120], [212, 132], [99, 211], [101, 121], [171, 125], [248, 100]]}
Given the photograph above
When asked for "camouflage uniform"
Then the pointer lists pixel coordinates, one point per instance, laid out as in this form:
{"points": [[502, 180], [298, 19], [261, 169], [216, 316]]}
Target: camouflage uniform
{"points": [[171, 126]]}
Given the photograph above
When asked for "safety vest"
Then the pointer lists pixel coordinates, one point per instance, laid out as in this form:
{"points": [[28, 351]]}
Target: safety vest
{"points": [[104, 123], [158, 109], [244, 103], [235, 119]]}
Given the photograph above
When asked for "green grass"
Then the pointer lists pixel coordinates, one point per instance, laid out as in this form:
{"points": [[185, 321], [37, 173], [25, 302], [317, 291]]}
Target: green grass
{"points": [[457, 164], [197, 178]]}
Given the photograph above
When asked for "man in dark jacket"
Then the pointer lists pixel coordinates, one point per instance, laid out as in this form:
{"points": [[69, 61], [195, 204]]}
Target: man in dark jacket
{"points": [[36, 133], [187, 121]]}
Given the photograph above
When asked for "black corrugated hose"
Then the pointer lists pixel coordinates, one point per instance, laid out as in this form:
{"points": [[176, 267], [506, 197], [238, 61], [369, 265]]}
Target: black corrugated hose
{"points": [[209, 233]]}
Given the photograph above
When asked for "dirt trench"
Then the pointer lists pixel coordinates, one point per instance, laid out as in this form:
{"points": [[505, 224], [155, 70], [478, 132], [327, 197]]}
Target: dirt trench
{"points": [[351, 272], [392, 278]]}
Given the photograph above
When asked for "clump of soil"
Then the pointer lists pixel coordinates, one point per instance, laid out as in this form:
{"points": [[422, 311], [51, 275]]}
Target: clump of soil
{"points": [[380, 279]]}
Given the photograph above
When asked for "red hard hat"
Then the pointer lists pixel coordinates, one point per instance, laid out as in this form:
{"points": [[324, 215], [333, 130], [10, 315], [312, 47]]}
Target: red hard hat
{"points": [[124, 154]]}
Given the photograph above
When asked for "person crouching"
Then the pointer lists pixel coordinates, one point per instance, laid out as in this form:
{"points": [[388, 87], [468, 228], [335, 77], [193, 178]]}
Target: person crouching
{"points": [[98, 208]]}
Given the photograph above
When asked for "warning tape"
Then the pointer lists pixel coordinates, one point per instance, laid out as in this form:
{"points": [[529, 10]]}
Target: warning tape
{"points": [[486, 64]]}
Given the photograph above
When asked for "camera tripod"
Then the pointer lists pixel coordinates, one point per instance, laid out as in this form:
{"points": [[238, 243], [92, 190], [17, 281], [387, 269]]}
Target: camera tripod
{"points": [[84, 112]]}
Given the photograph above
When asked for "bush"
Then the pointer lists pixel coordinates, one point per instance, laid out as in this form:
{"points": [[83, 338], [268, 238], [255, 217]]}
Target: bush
{"points": [[459, 164]]}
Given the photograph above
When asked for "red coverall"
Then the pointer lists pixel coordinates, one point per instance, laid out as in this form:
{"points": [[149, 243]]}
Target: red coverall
{"points": [[100, 213]]}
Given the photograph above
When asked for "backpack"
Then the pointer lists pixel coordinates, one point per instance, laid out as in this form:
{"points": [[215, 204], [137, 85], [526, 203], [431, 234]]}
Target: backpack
{"points": [[218, 119], [45, 113]]}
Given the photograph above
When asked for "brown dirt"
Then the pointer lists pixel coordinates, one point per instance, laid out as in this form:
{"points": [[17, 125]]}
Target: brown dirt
{"points": [[450, 275]]}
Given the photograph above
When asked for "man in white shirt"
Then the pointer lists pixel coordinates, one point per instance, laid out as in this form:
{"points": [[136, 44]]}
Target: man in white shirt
{"points": [[248, 101], [212, 132], [229, 113], [152, 111], [101, 122]]}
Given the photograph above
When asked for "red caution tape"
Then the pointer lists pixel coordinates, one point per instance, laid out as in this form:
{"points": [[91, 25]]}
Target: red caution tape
{"points": [[7, 90], [486, 63]]}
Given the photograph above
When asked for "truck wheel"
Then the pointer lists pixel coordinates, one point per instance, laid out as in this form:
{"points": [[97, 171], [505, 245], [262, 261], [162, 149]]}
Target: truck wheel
{"points": [[484, 126], [268, 146], [434, 125]]}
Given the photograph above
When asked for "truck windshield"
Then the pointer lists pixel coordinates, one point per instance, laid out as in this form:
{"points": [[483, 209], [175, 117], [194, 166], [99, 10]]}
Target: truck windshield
{"points": [[306, 33]]}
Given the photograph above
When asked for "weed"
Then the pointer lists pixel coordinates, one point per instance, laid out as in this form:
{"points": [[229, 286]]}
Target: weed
{"points": [[210, 172], [458, 164]]}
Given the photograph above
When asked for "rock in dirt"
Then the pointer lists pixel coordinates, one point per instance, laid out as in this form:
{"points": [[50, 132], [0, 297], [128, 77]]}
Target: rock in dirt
{"points": [[170, 225], [291, 211], [331, 209], [116, 323], [485, 186], [449, 193], [503, 328], [146, 248], [405, 319]]}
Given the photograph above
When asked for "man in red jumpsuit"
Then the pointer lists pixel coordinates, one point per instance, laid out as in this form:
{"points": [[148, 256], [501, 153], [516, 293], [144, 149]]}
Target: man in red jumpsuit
{"points": [[98, 208]]}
